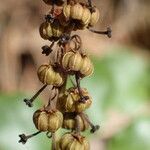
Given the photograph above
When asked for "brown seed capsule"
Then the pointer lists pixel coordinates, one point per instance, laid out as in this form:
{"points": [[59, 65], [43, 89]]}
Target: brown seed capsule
{"points": [[72, 61], [94, 17], [73, 142], [69, 122], [51, 31], [57, 2], [70, 102], [48, 76], [45, 121]]}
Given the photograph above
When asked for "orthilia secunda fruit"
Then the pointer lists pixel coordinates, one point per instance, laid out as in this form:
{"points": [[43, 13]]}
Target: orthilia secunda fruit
{"points": [[57, 2], [72, 142], [71, 101], [51, 31], [75, 62], [94, 17], [69, 122], [47, 75], [47, 121]]}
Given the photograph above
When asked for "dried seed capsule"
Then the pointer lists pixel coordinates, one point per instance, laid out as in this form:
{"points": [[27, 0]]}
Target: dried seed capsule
{"points": [[45, 121], [48, 76], [86, 16], [73, 142], [75, 62], [87, 67], [94, 17], [66, 11], [70, 101], [72, 61], [50, 31], [57, 2], [69, 122], [76, 11]]}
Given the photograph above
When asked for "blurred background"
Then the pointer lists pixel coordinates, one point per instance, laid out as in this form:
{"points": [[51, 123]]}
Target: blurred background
{"points": [[120, 86]]}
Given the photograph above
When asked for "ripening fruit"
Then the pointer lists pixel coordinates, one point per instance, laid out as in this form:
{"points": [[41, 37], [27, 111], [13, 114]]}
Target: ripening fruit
{"points": [[47, 75], [69, 122], [70, 101], [50, 31], [75, 62], [57, 2], [71, 142], [45, 121], [94, 17]]}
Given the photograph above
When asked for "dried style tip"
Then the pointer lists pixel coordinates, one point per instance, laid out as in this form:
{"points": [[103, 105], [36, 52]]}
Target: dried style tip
{"points": [[24, 138], [108, 32], [29, 102], [52, 2], [95, 128]]}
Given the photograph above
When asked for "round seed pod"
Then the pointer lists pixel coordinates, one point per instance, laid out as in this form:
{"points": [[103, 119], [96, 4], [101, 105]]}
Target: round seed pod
{"points": [[45, 121], [94, 17], [50, 31], [69, 122], [72, 142], [87, 68], [72, 61], [70, 102], [86, 16], [57, 2], [66, 11], [76, 11], [47, 75]]}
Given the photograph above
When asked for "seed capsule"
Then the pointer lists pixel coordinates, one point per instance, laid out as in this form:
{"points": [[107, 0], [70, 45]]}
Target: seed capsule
{"points": [[57, 2], [94, 17], [87, 67], [69, 122], [86, 16], [75, 62], [45, 121], [73, 142], [72, 61], [76, 11], [48, 76], [66, 11], [50, 31], [70, 101]]}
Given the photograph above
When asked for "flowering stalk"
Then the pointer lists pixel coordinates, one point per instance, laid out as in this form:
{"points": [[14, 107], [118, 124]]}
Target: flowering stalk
{"points": [[65, 108]]}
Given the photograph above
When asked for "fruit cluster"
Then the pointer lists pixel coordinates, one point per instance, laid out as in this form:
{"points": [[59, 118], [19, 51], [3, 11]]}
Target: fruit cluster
{"points": [[66, 105]]}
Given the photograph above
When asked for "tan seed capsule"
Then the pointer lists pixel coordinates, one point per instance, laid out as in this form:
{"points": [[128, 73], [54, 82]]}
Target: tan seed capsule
{"points": [[71, 101], [48, 76], [49, 31], [76, 11], [45, 121], [87, 67], [94, 17], [69, 122], [71, 142], [66, 11], [86, 16], [72, 61]]}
